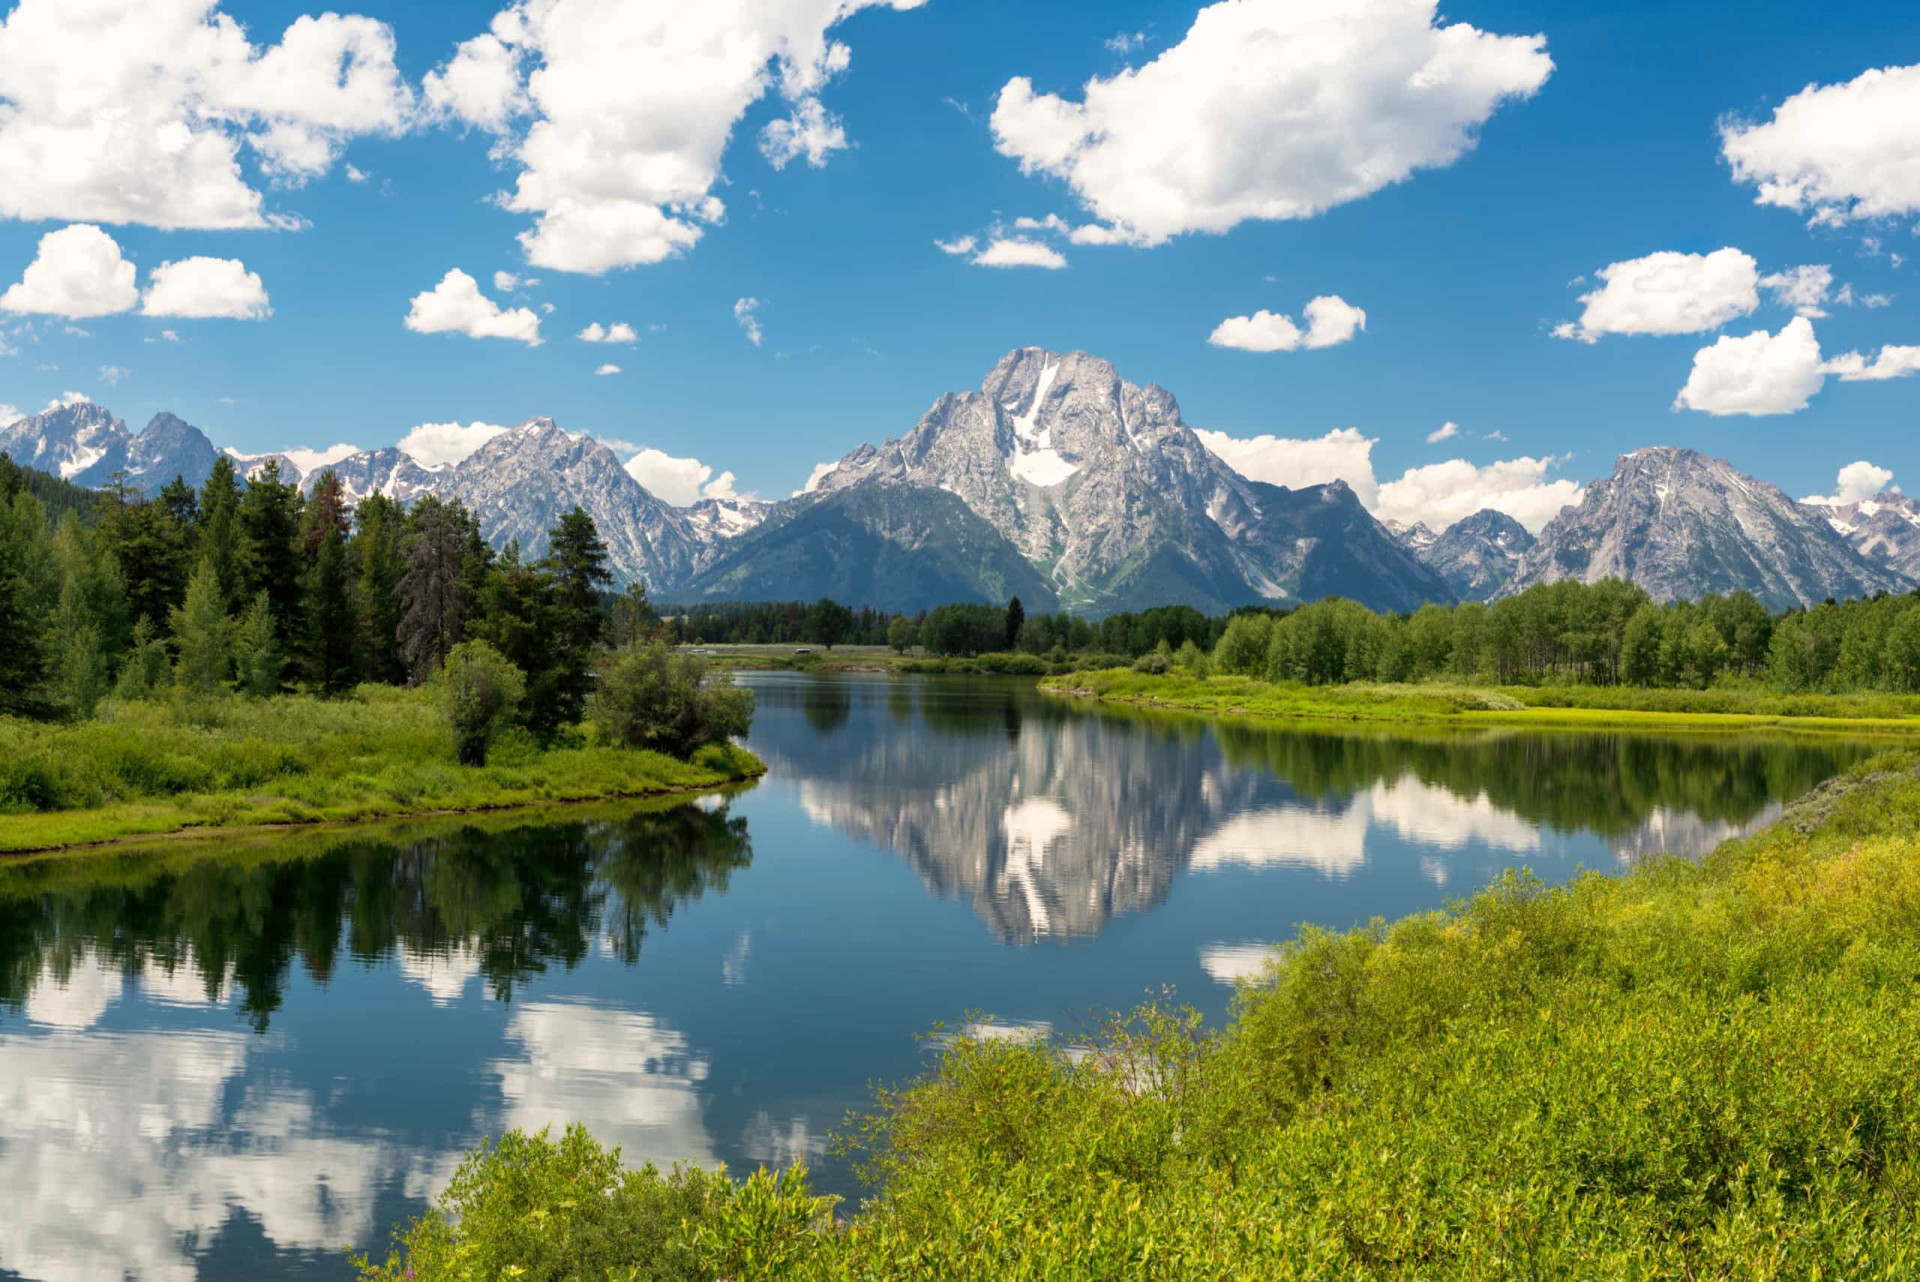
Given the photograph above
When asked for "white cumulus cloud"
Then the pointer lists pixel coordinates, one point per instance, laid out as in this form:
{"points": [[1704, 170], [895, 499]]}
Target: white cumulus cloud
{"points": [[77, 272], [744, 317], [1890, 362], [1445, 432], [1856, 482], [679, 481], [136, 111], [307, 460], [617, 114], [958, 245], [1270, 109], [1019, 251], [618, 332], [1757, 373], [1344, 454], [1803, 289], [1668, 293], [1835, 152], [604, 370], [456, 306], [435, 444], [821, 471], [1443, 493], [206, 287], [1331, 320]]}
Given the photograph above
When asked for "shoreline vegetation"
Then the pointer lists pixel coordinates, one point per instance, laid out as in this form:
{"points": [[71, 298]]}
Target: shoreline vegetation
{"points": [[1719, 710], [1692, 1069], [144, 769]]}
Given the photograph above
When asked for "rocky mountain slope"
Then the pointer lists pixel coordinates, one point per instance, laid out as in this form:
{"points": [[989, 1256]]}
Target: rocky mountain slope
{"points": [[84, 443], [1885, 529], [391, 472], [1477, 555], [1681, 524], [1103, 488]]}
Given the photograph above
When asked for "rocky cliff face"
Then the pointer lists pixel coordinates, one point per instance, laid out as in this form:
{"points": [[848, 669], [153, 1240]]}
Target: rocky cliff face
{"points": [[391, 472], [1885, 529], [1104, 489], [81, 442], [1681, 524], [1479, 555]]}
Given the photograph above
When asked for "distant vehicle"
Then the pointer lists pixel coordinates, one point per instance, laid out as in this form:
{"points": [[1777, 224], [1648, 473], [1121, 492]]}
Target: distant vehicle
{"points": [[703, 652], [802, 650]]}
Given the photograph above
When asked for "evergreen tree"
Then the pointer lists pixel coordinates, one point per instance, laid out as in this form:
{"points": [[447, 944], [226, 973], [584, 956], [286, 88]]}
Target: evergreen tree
{"points": [[328, 606], [257, 658], [375, 565], [520, 617], [153, 550], [79, 663], [1016, 619], [434, 590], [29, 593], [634, 618], [218, 529], [827, 623], [147, 668], [577, 559], [200, 636], [269, 552]]}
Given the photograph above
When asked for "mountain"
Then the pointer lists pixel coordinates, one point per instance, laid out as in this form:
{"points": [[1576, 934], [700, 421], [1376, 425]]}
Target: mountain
{"points": [[170, 447], [713, 520], [248, 464], [79, 442], [391, 472], [1885, 529], [520, 483], [1118, 504], [895, 547], [1681, 524], [1478, 555], [1416, 538]]}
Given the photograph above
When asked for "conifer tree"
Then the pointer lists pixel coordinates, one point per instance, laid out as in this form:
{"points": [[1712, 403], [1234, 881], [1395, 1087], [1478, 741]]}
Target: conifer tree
{"points": [[79, 663], [147, 667], [375, 566], [200, 636], [328, 606], [257, 658], [269, 560], [218, 530]]}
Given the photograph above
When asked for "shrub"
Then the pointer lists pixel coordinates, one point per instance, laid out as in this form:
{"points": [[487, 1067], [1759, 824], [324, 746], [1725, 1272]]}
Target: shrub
{"points": [[652, 696], [480, 689]]}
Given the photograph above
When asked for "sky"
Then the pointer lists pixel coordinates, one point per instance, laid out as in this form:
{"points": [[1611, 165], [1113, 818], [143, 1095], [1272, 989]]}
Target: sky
{"points": [[1458, 257]]}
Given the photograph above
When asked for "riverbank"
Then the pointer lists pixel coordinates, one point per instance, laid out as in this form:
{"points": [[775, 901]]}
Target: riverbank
{"points": [[1560, 707], [881, 659], [144, 770], [1694, 1069]]}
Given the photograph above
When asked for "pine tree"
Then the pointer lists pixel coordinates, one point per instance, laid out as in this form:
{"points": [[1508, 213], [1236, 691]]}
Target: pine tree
{"points": [[219, 528], [147, 668], [269, 560], [375, 565], [153, 550], [634, 618], [578, 561], [1016, 619], [327, 656], [79, 662], [257, 658], [29, 592], [435, 597], [200, 636]]}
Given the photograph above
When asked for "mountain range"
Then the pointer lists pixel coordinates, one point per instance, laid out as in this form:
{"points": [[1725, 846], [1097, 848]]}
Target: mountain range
{"points": [[1062, 483]]}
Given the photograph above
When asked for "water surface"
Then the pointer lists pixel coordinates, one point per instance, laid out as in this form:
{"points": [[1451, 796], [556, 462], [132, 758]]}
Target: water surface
{"points": [[244, 1062]]}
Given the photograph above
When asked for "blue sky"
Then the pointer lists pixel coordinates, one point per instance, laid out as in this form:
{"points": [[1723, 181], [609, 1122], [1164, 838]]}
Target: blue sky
{"points": [[1463, 269]]}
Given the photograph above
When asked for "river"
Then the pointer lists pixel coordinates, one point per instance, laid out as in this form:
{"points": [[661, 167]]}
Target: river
{"points": [[247, 1060]]}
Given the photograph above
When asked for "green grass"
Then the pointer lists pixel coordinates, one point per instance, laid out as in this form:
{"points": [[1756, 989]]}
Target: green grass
{"points": [[1694, 1070], [146, 769], [1588, 707]]}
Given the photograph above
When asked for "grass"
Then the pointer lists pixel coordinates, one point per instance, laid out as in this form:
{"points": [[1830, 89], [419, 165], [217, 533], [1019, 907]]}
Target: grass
{"points": [[145, 769], [1573, 707], [1693, 1070]]}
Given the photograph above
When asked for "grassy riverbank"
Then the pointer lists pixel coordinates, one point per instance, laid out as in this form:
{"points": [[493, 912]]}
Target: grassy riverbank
{"points": [[147, 769], [1691, 1070], [1583, 707]]}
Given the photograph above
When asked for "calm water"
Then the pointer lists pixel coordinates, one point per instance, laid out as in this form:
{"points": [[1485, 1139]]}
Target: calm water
{"points": [[245, 1063]]}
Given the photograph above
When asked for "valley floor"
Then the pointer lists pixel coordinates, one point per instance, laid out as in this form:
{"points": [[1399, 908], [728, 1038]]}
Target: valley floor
{"points": [[152, 769], [1550, 707], [1696, 1070]]}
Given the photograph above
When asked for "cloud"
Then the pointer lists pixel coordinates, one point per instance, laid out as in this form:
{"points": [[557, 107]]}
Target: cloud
{"points": [[618, 332], [505, 282], [617, 116], [355, 174], [1835, 152], [1892, 362], [608, 368], [743, 315], [1856, 483], [1445, 432], [1125, 42], [1801, 288], [1018, 251], [1270, 109], [821, 471], [437, 443], [135, 111], [200, 288], [958, 245], [77, 272], [308, 460], [679, 481], [10, 414], [1757, 374], [1443, 493], [1847, 298], [1345, 454], [1331, 320], [1668, 293], [456, 306]]}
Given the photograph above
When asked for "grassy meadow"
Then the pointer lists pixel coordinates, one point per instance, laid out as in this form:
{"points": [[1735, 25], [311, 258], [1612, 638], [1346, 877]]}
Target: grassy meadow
{"points": [[1692, 1070], [1571, 706], [146, 768]]}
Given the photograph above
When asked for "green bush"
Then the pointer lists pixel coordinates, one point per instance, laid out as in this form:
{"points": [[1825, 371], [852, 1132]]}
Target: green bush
{"points": [[481, 691], [649, 695]]}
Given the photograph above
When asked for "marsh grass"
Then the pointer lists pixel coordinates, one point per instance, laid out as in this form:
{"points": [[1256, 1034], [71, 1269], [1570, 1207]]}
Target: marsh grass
{"points": [[1692, 1070], [142, 768], [1594, 707]]}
